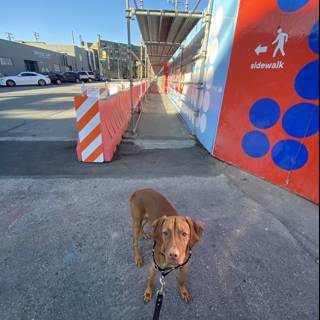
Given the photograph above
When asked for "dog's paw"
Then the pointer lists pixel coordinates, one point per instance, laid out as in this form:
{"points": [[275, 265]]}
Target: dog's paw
{"points": [[147, 295], [139, 261], [185, 294]]}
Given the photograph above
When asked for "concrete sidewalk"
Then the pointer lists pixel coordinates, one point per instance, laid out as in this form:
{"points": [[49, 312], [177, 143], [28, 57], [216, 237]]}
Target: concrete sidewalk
{"points": [[160, 126]]}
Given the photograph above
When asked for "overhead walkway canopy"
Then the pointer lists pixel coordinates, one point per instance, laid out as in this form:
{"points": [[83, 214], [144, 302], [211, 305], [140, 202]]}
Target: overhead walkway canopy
{"points": [[163, 32]]}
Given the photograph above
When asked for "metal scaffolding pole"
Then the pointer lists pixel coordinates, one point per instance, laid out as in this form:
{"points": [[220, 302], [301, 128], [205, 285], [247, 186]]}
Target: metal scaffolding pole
{"points": [[128, 16], [141, 59], [203, 56], [145, 62], [195, 6]]}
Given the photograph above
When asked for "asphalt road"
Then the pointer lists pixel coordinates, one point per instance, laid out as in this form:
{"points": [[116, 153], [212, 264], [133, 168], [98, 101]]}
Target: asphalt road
{"points": [[65, 229], [39, 113]]}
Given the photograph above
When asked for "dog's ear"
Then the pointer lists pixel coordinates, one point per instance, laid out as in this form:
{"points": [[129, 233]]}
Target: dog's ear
{"points": [[157, 228], [196, 230]]}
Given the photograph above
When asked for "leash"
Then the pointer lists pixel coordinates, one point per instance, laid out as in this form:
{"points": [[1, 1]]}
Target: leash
{"points": [[164, 272], [160, 295]]}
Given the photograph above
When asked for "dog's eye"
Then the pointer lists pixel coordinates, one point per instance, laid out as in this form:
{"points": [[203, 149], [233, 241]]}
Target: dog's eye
{"points": [[184, 234], [165, 233]]}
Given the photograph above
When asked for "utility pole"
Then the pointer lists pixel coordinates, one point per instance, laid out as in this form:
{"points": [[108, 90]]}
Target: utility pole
{"points": [[72, 37], [10, 36], [187, 5], [36, 35], [80, 39], [99, 54]]}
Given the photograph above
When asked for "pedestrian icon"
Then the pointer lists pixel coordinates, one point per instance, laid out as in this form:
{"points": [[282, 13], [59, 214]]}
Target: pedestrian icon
{"points": [[281, 39]]}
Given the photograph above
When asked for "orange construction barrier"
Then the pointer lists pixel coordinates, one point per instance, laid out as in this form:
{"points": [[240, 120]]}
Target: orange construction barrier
{"points": [[102, 120]]}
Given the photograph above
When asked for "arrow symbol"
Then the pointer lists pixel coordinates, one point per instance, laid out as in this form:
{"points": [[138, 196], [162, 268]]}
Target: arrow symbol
{"points": [[260, 49]]}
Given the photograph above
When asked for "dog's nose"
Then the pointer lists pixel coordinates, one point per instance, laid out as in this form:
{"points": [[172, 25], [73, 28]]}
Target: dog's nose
{"points": [[174, 254]]}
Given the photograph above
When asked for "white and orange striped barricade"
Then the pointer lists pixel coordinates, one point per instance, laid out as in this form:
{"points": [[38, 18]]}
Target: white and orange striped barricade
{"points": [[89, 147], [102, 119]]}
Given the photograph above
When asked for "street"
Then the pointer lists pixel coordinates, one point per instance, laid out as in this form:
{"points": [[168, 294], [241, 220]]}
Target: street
{"points": [[65, 232], [39, 113]]}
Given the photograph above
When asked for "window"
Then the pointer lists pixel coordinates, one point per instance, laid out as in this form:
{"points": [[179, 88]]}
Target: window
{"points": [[28, 74], [6, 61]]}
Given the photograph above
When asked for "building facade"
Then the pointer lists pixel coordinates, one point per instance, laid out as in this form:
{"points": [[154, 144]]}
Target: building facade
{"points": [[113, 58], [106, 58], [16, 57], [78, 54]]}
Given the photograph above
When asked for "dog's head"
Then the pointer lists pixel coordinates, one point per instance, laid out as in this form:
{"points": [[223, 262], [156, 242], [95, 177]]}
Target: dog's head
{"points": [[176, 234]]}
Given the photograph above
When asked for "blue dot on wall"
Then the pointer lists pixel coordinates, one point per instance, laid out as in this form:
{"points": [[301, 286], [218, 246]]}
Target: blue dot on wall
{"points": [[314, 38], [289, 155], [264, 113], [301, 120], [291, 5], [255, 144], [307, 81]]}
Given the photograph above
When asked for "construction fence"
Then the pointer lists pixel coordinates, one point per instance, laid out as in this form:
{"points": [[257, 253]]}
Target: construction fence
{"points": [[103, 115], [256, 106]]}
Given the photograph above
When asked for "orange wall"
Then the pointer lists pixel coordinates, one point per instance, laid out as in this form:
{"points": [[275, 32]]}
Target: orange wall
{"points": [[265, 110]]}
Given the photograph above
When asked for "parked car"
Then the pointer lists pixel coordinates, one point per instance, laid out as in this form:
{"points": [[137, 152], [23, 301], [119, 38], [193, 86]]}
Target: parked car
{"points": [[83, 76], [101, 78], [87, 76], [91, 75], [55, 77], [71, 76], [25, 78]]}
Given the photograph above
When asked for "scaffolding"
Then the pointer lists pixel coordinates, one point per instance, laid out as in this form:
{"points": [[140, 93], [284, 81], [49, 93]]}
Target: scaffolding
{"points": [[163, 32]]}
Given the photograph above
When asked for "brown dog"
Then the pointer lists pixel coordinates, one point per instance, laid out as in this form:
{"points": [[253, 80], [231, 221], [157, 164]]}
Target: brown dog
{"points": [[174, 235]]}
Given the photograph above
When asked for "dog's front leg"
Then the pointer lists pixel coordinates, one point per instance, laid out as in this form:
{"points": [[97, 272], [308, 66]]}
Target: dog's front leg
{"points": [[150, 283], [136, 231], [182, 284]]}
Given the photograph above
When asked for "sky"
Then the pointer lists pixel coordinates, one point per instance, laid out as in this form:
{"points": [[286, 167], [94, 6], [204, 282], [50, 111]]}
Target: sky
{"points": [[55, 20]]}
